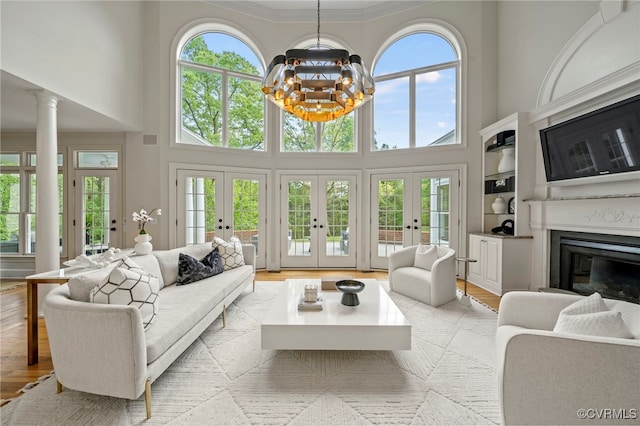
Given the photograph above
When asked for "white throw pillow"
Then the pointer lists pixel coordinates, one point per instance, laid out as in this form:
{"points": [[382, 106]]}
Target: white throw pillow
{"points": [[425, 256], [130, 287], [230, 252], [591, 316]]}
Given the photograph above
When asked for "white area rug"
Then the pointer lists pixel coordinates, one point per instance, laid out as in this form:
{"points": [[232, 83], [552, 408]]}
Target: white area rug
{"points": [[448, 377]]}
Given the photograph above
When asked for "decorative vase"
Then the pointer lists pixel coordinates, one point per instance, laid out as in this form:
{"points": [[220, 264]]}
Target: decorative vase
{"points": [[507, 160], [499, 206], [143, 244]]}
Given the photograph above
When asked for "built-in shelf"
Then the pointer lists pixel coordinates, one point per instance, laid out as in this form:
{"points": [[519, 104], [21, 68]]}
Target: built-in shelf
{"points": [[502, 175]]}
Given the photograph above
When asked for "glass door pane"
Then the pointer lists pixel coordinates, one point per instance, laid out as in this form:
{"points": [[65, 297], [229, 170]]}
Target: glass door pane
{"points": [[98, 211], [389, 217], [200, 209], [337, 230], [299, 218], [437, 206], [246, 212]]}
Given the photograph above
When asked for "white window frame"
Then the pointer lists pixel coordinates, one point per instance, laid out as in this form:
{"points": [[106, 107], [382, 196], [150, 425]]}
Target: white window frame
{"points": [[189, 31], [454, 38]]}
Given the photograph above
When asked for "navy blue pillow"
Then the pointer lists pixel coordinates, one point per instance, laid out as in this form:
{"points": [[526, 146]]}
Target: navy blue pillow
{"points": [[214, 261], [191, 270]]}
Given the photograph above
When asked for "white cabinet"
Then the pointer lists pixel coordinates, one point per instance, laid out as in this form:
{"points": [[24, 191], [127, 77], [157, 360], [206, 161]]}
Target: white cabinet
{"points": [[503, 262]]}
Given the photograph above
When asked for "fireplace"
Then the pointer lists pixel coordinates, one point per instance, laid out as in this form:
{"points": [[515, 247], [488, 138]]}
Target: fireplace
{"points": [[586, 263]]}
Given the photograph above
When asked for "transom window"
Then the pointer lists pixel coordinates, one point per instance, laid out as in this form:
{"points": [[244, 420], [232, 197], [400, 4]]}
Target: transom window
{"points": [[416, 98], [221, 102]]}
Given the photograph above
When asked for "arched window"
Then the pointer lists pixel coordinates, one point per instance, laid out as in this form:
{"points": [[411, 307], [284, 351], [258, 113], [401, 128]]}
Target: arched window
{"points": [[332, 136], [221, 102], [416, 98]]}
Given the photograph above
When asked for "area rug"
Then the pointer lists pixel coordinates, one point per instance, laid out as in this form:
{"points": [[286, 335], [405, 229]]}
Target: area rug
{"points": [[6, 285], [448, 377]]}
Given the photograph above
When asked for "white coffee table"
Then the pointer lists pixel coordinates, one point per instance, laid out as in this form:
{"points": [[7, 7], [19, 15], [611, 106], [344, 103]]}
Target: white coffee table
{"points": [[375, 324]]}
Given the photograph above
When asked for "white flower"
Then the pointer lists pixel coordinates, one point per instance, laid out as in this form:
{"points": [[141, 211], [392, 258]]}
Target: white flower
{"points": [[142, 217]]}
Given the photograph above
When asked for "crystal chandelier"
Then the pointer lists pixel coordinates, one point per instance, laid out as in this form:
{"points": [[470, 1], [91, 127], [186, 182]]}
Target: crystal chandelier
{"points": [[318, 84]]}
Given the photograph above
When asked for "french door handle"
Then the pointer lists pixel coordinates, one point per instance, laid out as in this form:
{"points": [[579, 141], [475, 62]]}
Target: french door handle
{"points": [[321, 226], [113, 228], [226, 227], [220, 227], [408, 226]]}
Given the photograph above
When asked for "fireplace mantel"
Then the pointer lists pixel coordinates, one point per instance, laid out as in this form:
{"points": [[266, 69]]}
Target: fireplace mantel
{"points": [[616, 215]]}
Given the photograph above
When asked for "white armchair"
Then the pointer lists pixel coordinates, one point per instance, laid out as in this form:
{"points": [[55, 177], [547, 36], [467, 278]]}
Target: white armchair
{"points": [[546, 377], [434, 287]]}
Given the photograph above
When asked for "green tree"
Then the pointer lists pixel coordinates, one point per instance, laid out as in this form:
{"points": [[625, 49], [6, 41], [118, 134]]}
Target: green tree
{"points": [[9, 204], [336, 135], [202, 98]]}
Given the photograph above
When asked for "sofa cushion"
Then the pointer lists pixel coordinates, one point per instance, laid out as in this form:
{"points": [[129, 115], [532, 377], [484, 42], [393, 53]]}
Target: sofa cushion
{"points": [[230, 252], [191, 269], [168, 259], [591, 316], [425, 257], [184, 306], [80, 286], [130, 287], [413, 282]]}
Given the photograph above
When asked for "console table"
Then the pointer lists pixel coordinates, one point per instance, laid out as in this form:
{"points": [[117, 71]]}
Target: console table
{"points": [[59, 276]]}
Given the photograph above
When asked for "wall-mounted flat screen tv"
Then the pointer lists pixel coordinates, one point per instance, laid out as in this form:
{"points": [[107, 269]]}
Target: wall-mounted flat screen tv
{"points": [[601, 142]]}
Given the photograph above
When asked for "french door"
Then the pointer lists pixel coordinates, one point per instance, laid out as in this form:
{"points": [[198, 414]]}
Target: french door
{"points": [[411, 208], [97, 211], [222, 204], [318, 221]]}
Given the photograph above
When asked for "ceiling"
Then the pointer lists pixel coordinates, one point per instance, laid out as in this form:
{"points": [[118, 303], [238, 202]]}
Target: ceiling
{"points": [[18, 110], [18, 104], [330, 10]]}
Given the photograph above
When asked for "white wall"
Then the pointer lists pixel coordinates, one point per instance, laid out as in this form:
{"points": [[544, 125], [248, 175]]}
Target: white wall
{"points": [[530, 36], [89, 52]]}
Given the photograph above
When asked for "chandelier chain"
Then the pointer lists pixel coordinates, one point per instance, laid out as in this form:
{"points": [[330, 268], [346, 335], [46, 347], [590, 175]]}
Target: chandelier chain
{"points": [[318, 31]]}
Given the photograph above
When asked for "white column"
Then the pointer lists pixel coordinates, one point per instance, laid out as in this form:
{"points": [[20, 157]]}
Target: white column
{"points": [[47, 231]]}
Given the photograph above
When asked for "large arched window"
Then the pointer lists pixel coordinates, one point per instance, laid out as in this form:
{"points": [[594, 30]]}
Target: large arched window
{"points": [[332, 136], [221, 102], [416, 98]]}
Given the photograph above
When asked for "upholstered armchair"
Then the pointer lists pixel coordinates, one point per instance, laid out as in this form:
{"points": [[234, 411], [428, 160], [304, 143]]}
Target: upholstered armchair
{"points": [[431, 281], [551, 377]]}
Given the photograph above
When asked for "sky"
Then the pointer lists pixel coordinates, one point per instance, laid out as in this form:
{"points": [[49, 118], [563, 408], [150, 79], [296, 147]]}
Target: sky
{"points": [[435, 91]]}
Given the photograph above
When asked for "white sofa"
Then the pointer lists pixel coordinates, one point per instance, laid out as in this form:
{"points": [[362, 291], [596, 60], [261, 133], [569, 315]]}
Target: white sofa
{"points": [[104, 349], [433, 287], [547, 377]]}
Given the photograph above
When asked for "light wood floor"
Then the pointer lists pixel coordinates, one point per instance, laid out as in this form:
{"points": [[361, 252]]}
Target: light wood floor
{"points": [[13, 332]]}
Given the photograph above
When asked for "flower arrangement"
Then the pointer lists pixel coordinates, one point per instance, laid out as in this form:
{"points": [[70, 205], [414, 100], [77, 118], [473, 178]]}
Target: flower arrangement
{"points": [[143, 217]]}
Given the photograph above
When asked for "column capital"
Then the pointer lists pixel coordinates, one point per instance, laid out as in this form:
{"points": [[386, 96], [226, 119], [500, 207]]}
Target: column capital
{"points": [[45, 97]]}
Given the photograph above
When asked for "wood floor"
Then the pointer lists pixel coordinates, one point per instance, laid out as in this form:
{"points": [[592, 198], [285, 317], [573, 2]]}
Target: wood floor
{"points": [[15, 372]]}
